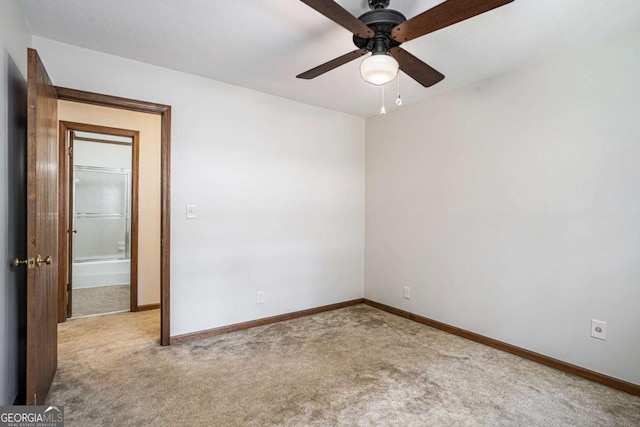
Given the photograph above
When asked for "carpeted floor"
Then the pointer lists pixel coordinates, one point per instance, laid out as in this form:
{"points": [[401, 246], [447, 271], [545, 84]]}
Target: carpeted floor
{"points": [[354, 366], [101, 299]]}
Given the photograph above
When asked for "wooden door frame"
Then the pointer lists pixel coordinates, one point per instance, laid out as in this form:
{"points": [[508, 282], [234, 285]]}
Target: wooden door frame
{"points": [[65, 150], [66, 94]]}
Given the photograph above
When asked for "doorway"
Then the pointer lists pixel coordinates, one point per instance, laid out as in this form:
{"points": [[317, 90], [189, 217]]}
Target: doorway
{"points": [[47, 219], [102, 234], [164, 114]]}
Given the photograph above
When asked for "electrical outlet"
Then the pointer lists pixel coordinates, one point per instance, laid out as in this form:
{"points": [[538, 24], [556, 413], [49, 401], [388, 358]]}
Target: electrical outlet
{"points": [[260, 297], [407, 292], [598, 329]]}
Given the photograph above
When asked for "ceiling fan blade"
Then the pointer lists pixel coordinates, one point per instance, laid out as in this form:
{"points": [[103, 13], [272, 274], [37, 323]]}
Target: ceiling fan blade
{"points": [[441, 16], [334, 63], [415, 68], [340, 16]]}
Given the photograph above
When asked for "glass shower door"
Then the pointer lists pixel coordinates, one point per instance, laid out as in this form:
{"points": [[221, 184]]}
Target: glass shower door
{"points": [[101, 214]]}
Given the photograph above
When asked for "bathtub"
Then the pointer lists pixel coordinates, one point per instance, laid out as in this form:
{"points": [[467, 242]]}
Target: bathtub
{"points": [[101, 273]]}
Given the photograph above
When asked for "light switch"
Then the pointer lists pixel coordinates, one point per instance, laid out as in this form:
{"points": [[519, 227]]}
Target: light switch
{"points": [[191, 211]]}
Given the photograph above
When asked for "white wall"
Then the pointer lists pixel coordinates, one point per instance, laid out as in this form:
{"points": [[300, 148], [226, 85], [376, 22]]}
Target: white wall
{"points": [[512, 207], [278, 185], [15, 39]]}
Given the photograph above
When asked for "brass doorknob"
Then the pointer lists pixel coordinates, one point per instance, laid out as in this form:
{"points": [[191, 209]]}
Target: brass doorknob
{"points": [[40, 260], [30, 262], [16, 262]]}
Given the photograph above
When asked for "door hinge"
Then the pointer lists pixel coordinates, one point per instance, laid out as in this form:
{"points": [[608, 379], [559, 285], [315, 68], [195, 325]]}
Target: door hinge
{"points": [[68, 287], [70, 151], [35, 399]]}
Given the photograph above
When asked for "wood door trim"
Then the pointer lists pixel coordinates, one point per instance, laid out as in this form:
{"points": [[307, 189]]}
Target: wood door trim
{"points": [[164, 111], [64, 200], [67, 94], [134, 238], [65, 218], [84, 127]]}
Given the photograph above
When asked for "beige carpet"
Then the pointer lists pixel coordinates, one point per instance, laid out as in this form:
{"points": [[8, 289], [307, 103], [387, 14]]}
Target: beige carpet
{"points": [[101, 299], [354, 366]]}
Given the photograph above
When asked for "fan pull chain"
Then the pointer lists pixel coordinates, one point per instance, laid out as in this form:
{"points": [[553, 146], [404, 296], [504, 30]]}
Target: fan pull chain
{"points": [[398, 99], [383, 110]]}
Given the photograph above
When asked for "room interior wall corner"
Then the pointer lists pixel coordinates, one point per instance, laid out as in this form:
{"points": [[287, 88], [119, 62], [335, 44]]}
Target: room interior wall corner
{"points": [[510, 207]]}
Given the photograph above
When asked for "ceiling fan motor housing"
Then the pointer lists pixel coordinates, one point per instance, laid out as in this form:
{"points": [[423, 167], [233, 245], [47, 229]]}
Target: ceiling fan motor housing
{"points": [[378, 4], [381, 22]]}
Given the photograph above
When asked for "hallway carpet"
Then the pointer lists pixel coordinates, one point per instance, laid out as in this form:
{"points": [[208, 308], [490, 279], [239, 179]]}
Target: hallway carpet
{"points": [[348, 367], [101, 299]]}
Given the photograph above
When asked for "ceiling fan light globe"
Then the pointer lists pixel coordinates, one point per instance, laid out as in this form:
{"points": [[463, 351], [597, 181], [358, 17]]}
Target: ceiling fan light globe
{"points": [[379, 69]]}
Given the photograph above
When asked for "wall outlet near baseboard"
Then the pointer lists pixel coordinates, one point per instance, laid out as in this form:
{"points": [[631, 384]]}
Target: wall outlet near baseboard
{"points": [[260, 297], [407, 292], [598, 329]]}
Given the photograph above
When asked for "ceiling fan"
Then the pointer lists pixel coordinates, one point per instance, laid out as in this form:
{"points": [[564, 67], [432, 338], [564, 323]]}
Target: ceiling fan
{"points": [[381, 31]]}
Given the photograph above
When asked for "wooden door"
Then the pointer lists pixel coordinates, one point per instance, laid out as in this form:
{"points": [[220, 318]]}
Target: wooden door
{"points": [[42, 228]]}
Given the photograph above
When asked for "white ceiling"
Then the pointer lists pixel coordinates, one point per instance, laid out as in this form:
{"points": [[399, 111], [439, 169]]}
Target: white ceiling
{"points": [[264, 44]]}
